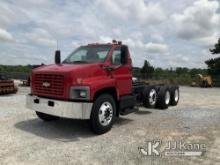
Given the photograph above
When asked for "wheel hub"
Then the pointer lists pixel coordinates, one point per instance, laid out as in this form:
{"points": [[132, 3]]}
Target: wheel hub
{"points": [[105, 113], [167, 97], [152, 97], [176, 95]]}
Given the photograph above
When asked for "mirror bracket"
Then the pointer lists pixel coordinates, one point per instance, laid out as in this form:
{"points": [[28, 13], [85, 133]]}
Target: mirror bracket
{"points": [[124, 55]]}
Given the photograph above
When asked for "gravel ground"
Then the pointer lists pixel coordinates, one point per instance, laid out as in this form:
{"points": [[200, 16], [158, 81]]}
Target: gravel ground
{"points": [[25, 139]]}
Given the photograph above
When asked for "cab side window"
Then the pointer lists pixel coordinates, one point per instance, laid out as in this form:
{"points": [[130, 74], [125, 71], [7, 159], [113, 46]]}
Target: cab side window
{"points": [[116, 56]]}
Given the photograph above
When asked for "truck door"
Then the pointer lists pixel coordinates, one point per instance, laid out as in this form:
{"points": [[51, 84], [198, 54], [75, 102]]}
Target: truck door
{"points": [[122, 70]]}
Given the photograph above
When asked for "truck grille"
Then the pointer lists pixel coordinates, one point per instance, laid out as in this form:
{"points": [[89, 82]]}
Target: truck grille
{"points": [[49, 84]]}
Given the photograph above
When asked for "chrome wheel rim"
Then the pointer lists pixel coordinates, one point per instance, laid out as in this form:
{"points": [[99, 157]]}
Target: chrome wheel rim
{"points": [[176, 95], [105, 113], [167, 97], [152, 97]]}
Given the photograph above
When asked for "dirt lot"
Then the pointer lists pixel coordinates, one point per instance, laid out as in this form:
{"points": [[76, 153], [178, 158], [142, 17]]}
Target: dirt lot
{"points": [[25, 139]]}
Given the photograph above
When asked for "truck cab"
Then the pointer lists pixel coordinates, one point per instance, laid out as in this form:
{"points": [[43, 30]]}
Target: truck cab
{"points": [[71, 88], [93, 83]]}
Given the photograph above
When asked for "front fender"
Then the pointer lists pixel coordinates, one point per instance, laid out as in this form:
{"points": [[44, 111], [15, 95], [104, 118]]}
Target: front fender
{"points": [[100, 83]]}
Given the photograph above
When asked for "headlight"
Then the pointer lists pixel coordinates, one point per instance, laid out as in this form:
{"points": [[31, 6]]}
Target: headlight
{"points": [[80, 92]]}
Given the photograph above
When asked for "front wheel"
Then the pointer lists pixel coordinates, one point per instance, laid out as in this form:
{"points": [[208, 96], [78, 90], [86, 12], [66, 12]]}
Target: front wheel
{"points": [[46, 117], [103, 114]]}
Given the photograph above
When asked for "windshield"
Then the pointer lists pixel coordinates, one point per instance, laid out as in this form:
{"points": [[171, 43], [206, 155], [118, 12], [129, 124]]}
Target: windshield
{"points": [[88, 54]]}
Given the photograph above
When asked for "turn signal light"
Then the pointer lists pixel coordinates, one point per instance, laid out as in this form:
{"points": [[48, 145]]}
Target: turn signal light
{"points": [[79, 81]]}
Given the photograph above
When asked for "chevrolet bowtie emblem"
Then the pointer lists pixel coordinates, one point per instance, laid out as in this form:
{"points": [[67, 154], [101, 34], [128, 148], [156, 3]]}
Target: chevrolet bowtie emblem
{"points": [[46, 84]]}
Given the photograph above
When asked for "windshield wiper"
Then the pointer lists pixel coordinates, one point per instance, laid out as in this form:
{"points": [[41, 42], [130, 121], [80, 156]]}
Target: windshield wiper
{"points": [[75, 62]]}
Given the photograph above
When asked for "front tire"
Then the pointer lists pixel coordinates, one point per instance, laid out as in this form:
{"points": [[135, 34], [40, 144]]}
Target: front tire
{"points": [[46, 117], [103, 114]]}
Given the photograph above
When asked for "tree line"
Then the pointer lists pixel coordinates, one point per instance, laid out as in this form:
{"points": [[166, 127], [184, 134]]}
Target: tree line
{"points": [[180, 75], [17, 68]]}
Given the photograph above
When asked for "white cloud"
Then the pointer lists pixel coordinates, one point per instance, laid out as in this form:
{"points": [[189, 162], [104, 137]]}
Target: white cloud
{"points": [[105, 39], [154, 30], [156, 48], [134, 44], [197, 21], [138, 11], [6, 15], [5, 36], [207, 41], [157, 37], [41, 37], [147, 13]]}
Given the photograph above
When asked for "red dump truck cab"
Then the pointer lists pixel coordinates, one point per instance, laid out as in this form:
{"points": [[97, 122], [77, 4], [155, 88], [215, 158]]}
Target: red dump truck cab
{"points": [[94, 82]]}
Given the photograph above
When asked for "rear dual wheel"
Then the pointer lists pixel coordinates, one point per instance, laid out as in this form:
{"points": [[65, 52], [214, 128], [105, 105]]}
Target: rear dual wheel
{"points": [[156, 98], [168, 96], [174, 95], [164, 96]]}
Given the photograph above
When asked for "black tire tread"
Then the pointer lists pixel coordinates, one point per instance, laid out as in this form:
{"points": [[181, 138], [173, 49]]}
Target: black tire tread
{"points": [[172, 95], [161, 98], [95, 126]]}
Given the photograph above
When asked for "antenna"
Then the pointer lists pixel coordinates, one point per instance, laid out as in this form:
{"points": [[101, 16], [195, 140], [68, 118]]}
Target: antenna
{"points": [[57, 45]]}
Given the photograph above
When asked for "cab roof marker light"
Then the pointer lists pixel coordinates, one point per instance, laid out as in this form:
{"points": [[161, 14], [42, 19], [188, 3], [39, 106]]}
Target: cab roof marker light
{"points": [[114, 41]]}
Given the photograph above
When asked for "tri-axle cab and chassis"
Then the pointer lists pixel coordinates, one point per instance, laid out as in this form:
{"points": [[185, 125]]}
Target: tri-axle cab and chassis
{"points": [[94, 83]]}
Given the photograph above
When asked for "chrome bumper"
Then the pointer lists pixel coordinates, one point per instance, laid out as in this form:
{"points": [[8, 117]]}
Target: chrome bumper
{"points": [[66, 109]]}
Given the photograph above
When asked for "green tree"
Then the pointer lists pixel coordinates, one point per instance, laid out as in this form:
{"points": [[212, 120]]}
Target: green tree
{"points": [[213, 66], [216, 49], [180, 70], [147, 70], [214, 63]]}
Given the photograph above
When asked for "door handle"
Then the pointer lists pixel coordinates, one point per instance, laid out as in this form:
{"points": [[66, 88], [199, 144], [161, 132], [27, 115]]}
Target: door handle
{"points": [[108, 68]]}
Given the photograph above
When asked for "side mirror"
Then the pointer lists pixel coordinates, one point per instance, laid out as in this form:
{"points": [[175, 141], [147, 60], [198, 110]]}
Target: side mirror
{"points": [[57, 57], [124, 55]]}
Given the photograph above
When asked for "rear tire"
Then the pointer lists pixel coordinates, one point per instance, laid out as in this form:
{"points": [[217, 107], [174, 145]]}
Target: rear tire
{"points": [[46, 117], [163, 99], [103, 114], [150, 97], [174, 95]]}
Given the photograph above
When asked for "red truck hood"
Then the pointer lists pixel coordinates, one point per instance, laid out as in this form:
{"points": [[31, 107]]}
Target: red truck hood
{"points": [[81, 70], [70, 72]]}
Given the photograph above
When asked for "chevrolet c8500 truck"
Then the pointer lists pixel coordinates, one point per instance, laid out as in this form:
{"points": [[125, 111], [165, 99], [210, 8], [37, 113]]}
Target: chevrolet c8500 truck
{"points": [[94, 83]]}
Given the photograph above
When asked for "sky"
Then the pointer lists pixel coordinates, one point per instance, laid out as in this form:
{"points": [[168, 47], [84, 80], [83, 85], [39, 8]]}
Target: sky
{"points": [[166, 33]]}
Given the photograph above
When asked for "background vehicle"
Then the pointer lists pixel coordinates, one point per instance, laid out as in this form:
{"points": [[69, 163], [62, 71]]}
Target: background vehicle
{"points": [[203, 81], [27, 82], [94, 83], [7, 86]]}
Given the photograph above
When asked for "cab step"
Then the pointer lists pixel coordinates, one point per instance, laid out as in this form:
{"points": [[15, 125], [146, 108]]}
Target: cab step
{"points": [[128, 110]]}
